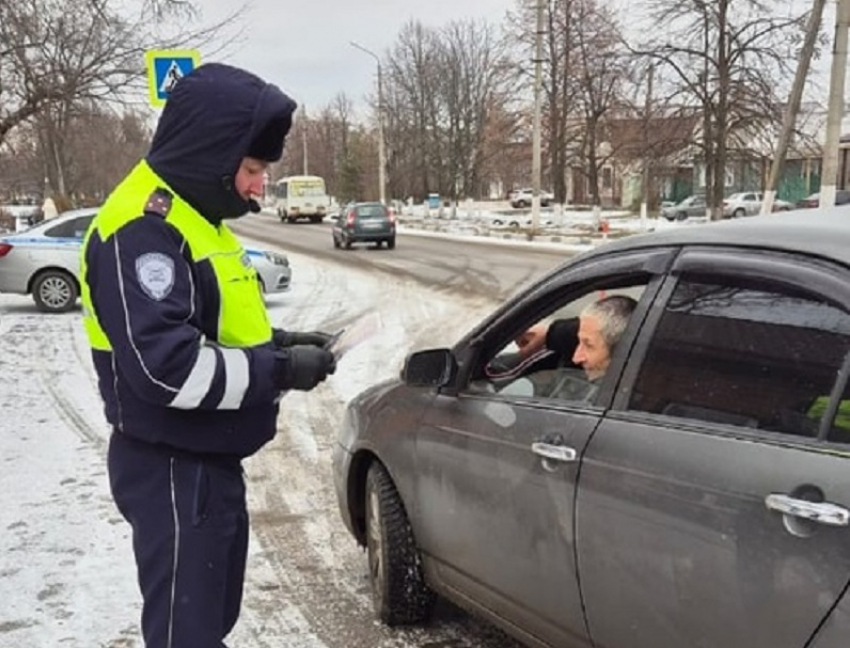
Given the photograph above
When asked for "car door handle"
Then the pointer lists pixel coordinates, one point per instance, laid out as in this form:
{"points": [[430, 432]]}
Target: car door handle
{"points": [[822, 512], [554, 452]]}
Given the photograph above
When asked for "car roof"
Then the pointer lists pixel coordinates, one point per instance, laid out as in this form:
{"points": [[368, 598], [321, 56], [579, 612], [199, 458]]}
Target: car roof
{"points": [[817, 232]]}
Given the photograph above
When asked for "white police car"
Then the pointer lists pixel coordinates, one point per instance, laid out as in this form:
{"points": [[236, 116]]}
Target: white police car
{"points": [[45, 261]]}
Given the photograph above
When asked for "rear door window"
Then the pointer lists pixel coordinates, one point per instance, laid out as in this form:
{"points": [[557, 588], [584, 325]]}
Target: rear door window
{"points": [[74, 228], [744, 353]]}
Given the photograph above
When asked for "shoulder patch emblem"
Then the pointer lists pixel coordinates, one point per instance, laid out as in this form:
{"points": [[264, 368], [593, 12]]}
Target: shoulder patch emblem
{"points": [[155, 272], [159, 202]]}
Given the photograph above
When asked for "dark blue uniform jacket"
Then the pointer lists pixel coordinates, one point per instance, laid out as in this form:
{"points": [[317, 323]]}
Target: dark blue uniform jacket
{"points": [[166, 381]]}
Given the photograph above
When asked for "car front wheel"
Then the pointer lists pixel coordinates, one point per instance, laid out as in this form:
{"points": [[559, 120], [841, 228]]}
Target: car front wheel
{"points": [[54, 291], [391, 243], [399, 592]]}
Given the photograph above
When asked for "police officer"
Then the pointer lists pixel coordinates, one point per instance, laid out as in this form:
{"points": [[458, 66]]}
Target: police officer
{"points": [[189, 367]]}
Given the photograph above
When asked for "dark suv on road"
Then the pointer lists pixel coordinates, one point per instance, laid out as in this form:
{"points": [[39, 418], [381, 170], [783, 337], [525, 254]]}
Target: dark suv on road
{"points": [[364, 222]]}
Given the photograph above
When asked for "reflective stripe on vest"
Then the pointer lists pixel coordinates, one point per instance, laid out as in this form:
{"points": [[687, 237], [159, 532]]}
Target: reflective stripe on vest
{"points": [[242, 319]]}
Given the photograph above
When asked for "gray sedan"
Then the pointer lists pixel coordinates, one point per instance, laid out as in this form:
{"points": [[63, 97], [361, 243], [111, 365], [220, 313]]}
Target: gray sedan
{"points": [[696, 494], [45, 261], [690, 206]]}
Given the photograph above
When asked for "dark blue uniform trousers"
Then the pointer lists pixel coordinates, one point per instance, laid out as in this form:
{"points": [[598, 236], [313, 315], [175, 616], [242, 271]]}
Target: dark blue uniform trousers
{"points": [[190, 538]]}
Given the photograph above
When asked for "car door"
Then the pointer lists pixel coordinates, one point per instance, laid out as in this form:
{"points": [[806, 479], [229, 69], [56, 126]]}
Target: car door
{"points": [[496, 472], [697, 206], [753, 203], [712, 507]]}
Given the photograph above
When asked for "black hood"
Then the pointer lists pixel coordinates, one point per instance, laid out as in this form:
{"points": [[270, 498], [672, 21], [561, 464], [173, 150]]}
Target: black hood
{"points": [[214, 117]]}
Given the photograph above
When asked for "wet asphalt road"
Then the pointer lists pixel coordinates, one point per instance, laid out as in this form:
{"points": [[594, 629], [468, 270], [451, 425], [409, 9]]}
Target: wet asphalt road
{"points": [[471, 267]]}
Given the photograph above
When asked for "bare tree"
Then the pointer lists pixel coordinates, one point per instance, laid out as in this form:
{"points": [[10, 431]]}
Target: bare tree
{"points": [[583, 67], [729, 58], [57, 60], [411, 100], [441, 89], [326, 139], [603, 70], [559, 82]]}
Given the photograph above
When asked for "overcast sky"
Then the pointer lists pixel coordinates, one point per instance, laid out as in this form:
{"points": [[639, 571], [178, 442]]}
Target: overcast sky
{"points": [[304, 47]]}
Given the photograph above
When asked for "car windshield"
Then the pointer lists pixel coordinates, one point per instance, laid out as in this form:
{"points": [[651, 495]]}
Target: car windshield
{"points": [[371, 211]]}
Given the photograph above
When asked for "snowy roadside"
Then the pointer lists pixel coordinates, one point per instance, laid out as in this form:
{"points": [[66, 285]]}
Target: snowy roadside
{"points": [[67, 577]]}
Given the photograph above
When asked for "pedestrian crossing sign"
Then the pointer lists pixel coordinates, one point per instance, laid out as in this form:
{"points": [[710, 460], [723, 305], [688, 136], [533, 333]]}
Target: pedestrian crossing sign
{"points": [[165, 69]]}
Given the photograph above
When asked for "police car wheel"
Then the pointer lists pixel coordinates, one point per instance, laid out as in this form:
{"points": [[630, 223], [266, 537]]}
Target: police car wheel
{"points": [[399, 592], [54, 291]]}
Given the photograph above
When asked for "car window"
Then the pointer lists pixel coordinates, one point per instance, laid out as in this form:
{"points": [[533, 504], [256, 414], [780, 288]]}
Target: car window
{"points": [[561, 372], [744, 355], [371, 211], [72, 228]]}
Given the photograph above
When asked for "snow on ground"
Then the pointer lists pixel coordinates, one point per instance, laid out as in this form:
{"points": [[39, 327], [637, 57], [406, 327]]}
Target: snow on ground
{"points": [[67, 576]]}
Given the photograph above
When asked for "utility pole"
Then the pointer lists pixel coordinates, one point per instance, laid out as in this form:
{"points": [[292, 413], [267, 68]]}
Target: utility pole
{"points": [[305, 169], [644, 204], [836, 105], [382, 153], [536, 152], [793, 107]]}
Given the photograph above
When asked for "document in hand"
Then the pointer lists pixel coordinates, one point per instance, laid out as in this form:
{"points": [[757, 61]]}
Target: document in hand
{"points": [[360, 330]]}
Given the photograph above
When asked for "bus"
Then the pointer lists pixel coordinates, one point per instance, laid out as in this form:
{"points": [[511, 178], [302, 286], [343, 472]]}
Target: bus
{"points": [[301, 196]]}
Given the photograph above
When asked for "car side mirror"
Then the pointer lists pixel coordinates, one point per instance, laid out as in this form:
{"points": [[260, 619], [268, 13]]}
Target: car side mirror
{"points": [[432, 368]]}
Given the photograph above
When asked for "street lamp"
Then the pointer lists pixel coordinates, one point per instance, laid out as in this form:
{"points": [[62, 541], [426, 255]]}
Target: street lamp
{"points": [[382, 162]]}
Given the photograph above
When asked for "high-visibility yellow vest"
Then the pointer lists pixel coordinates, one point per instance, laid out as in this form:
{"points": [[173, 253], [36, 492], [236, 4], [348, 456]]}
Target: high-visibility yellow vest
{"points": [[243, 320]]}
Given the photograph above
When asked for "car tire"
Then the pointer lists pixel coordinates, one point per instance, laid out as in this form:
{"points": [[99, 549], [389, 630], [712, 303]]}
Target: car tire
{"points": [[55, 291], [399, 592], [739, 213], [682, 216], [391, 244]]}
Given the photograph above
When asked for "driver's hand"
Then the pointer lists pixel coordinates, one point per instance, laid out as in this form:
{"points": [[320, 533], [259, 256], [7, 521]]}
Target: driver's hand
{"points": [[532, 340]]}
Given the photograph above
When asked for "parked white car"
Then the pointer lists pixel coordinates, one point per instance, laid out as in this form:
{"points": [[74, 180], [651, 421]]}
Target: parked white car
{"points": [[522, 198], [45, 261], [748, 203]]}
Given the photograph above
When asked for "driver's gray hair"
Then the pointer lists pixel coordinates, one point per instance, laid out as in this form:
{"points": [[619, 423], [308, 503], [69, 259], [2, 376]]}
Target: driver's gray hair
{"points": [[613, 314]]}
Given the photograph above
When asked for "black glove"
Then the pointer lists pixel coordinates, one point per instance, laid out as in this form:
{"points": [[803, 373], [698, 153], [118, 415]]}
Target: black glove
{"points": [[302, 367], [283, 339]]}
